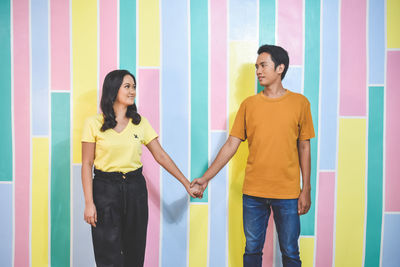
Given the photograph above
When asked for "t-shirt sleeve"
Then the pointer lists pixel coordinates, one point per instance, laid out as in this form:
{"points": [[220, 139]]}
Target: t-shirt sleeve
{"points": [[239, 125], [306, 123], [149, 132], [88, 133]]}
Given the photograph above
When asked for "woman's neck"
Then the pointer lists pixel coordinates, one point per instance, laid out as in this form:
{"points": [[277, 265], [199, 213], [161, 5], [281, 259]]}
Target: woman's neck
{"points": [[119, 111]]}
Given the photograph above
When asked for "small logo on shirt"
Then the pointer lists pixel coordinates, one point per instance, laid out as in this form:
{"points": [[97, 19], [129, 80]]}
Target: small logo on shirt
{"points": [[135, 135]]}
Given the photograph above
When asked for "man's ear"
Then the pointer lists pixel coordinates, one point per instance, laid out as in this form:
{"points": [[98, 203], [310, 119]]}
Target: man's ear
{"points": [[280, 68]]}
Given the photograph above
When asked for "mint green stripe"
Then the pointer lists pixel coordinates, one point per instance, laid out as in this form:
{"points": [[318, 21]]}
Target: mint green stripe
{"points": [[60, 179], [6, 154], [375, 177], [127, 35], [311, 91], [199, 90], [266, 26]]}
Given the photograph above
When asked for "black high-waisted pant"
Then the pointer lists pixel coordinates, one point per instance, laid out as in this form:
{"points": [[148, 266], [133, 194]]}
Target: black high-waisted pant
{"points": [[119, 238]]}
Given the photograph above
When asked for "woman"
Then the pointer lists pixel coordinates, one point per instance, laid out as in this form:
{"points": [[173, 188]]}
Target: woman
{"points": [[116, 199]]}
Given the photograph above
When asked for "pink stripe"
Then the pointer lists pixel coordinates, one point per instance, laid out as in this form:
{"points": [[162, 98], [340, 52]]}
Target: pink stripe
{"points": [[21, 129], [60, 48], [108, 38], [392, 181], [325, 219], [268, 251], [353, 59], [218, 63], [290, 29], [149, 107]]}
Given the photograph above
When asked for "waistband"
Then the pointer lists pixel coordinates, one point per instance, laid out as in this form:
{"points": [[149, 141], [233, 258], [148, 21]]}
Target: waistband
{"points": [[118, 175]]}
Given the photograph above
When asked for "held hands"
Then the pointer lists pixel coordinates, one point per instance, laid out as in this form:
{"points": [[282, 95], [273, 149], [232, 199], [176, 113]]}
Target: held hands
{"points": [[90, 215], [194, 191], [199, 185]]}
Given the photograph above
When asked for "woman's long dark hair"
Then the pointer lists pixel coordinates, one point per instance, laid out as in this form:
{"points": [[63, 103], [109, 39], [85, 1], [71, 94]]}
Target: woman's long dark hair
{"points": [[111, 85]]}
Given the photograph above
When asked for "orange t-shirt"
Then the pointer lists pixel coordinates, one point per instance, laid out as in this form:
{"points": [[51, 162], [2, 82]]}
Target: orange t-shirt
{"points": [[272, 127]]}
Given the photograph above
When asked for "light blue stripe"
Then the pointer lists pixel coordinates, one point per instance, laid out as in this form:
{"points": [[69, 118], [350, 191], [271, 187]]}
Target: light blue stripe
{"points": [[175, 129], [6, 151], [6, 224], [329, 85], [376, 42], [218, 207], [391, 241], [40, 67], [82, 245], [243, 20], [293, 79]]}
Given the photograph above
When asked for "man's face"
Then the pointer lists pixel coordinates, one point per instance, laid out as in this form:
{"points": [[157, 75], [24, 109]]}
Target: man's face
{"points": [[265, 70]]}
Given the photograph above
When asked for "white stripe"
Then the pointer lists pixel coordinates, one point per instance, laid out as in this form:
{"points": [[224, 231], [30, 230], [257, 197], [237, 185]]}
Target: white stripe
{"points": [[160, 137], [40, 135], [352, 117], [218, 131], [189, 129], [12, 130], [392, 212], [337, 131], [227, 130], [30, 132], [70, 129], [304, 45], [98, 57], [258, 43], [366, 134], [49, 133], [276, 21], [384, 139], [321, 170], [307, 236], [60, 91], [137, 99], [151, 67], [118, 33], [209, 125], [317, 169]]}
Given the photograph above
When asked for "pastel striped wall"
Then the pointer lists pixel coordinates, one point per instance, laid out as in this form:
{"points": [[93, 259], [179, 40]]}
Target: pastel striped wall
{"points": [[194, 65]]}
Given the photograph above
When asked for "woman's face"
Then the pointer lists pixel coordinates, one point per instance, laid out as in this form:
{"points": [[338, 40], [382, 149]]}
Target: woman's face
{"points": [[127, 91]]}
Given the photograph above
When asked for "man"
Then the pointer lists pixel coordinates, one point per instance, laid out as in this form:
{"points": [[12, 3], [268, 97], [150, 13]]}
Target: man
{"points": [[278, 126]]}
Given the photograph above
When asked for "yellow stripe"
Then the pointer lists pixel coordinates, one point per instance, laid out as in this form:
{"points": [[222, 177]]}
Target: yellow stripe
{"points": [[149, 33], [84, 59], [350, 203], [40, 201], [393, 22], [198, 235], [242, 58], [307, 251]]}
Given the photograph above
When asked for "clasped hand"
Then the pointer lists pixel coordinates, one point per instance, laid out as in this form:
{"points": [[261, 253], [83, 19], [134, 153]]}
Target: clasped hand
{"points": [[197, 187]]}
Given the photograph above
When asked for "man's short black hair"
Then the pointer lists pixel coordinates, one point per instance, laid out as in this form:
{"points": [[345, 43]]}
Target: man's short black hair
{"points": [[278, 55]]}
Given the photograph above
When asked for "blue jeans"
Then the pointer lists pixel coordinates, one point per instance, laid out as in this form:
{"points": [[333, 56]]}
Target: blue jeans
{"points": [[256, 211]]}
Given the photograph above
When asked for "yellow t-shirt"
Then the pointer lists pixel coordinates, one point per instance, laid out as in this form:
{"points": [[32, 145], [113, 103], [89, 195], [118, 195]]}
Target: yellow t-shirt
{"points": [[272, 127], [117, 152]]}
